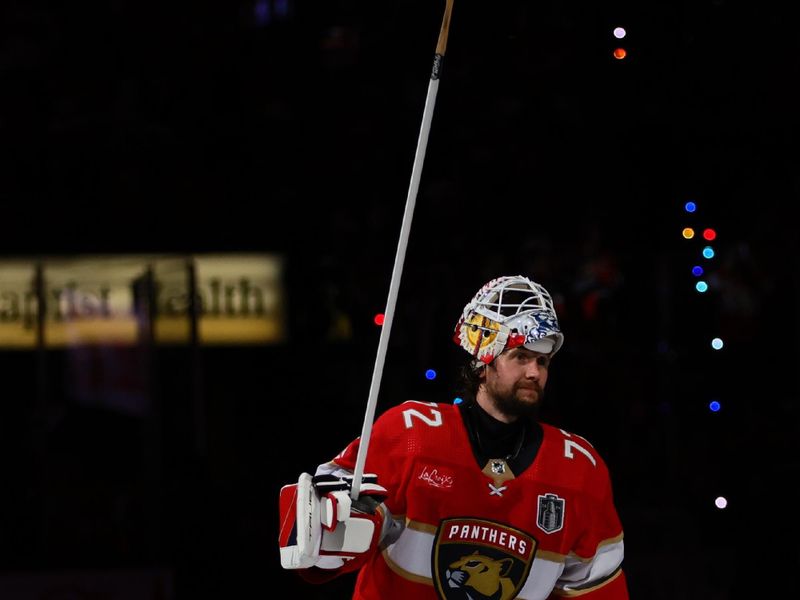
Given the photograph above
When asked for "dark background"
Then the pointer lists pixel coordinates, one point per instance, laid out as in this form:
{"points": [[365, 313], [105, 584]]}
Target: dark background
{"points": [[290, 127]]}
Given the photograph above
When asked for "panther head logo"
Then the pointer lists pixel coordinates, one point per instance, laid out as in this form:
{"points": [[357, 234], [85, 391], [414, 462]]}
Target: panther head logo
{"points": [[481, 577], [479, 559]]}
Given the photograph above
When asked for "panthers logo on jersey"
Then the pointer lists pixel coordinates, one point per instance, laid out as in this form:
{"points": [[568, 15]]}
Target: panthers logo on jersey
{"points": [[480, 560]]}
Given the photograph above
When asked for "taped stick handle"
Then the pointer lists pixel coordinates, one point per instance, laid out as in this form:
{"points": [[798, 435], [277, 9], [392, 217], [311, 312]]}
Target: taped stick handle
{"points": [[399, 259]]}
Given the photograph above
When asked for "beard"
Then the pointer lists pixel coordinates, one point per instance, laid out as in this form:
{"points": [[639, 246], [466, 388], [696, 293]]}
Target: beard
{"points": [[512, 403]]}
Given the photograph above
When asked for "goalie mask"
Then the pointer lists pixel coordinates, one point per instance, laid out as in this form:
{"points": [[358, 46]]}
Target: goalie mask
{"points": [[508, 312]]}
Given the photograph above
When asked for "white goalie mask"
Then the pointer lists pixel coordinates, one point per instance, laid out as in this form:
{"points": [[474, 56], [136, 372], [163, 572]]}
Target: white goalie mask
{"points": [[508, 312]]}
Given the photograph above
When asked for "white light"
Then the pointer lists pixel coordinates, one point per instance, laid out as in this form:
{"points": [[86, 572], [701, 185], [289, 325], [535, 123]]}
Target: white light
{"points": [[721, 502], [619, 32], [717, 344]]}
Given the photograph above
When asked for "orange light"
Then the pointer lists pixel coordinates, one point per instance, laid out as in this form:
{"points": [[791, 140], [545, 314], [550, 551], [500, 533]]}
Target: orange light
{"points": [[620, 53], [688, 233]]}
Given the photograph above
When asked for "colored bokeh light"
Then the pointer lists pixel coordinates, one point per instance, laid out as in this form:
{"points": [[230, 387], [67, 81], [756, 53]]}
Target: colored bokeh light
{"points": [[709, 234], [378, 319], [688, 233], [620, 53], [690, 207], [697, 270], [430, 374]]}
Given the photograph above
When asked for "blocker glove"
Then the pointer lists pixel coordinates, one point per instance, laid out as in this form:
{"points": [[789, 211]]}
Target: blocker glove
{"points": [[322, 526]]}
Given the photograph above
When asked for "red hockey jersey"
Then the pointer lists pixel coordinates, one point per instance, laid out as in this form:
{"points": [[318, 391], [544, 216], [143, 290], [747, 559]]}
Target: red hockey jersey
{"points": [[474, 531]]}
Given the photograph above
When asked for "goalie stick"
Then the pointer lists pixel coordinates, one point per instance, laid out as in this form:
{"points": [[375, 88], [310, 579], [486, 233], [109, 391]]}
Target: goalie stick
{"points": [[397, 270]]}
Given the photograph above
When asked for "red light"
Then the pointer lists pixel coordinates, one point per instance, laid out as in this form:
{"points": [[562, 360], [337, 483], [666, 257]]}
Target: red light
{"points": [[378, 319], [620, 53], [709, 234]]}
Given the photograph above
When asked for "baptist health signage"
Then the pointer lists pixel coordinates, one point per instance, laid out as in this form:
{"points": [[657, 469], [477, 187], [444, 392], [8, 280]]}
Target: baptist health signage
{"points": [[239, 299]]}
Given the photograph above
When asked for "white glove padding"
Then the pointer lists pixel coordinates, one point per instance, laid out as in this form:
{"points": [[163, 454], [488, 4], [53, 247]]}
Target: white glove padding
{"points": [[300, 527], [321, 525]]}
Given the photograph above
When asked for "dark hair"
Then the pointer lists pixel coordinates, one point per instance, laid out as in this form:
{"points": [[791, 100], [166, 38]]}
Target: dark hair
{"points": [[469, 378]]}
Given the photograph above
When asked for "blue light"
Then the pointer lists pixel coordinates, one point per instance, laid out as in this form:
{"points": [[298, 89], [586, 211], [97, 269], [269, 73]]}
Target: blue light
{"points": [[690, 206], [458, 400], [701, 286], [430, 374], [714, 406], [708, 252], [262, 11], [697, 270]]}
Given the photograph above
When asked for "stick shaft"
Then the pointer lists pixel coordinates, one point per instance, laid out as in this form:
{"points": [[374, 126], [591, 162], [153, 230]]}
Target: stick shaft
{"points": [[399, 259]]}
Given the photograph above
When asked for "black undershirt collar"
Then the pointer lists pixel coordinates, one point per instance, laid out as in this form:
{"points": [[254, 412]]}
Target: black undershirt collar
{"points": [[517, 442]]}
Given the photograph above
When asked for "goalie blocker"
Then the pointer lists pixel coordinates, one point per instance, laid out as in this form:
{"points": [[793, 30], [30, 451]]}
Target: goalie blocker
{"points": [[322, 526]]}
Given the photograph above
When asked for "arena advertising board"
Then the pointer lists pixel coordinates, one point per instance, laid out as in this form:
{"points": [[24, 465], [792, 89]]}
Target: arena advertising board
{"points": [[121, 299]]}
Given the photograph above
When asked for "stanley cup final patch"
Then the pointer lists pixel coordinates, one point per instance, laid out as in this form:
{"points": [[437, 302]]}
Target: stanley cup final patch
{"points": [[477, 559], [551, 513]]}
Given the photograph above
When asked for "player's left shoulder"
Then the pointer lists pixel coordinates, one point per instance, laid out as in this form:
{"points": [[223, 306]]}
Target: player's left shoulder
{"points": [[572, 455]]}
